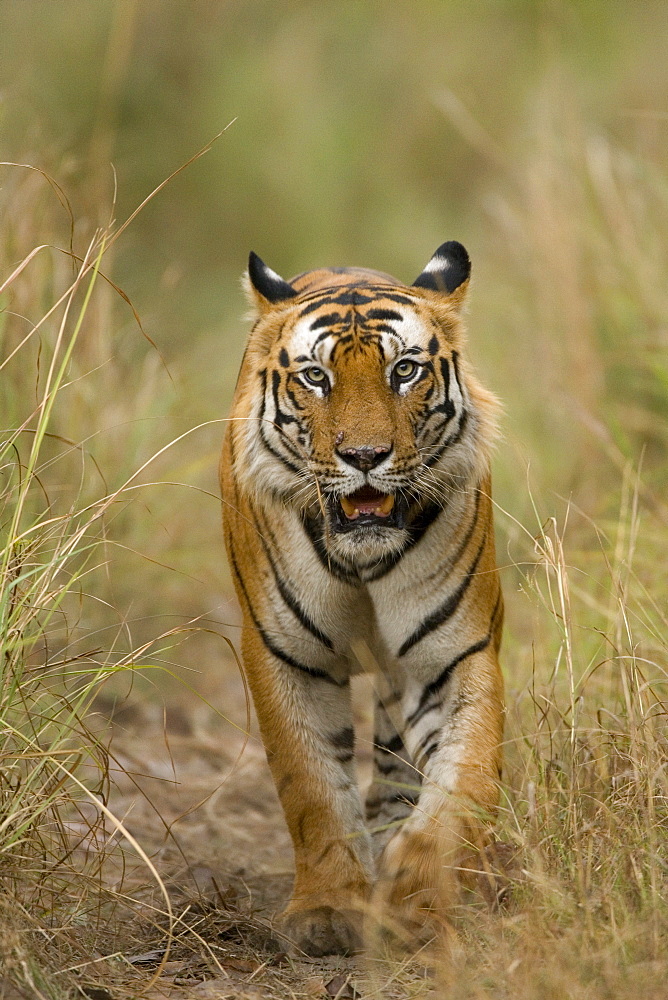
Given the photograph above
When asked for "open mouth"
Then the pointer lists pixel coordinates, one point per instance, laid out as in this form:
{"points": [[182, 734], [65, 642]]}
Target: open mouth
{"points": [[366, 508], [367, 502]]}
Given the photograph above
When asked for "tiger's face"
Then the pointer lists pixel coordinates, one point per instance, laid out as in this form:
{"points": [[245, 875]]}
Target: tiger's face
{"points": [[367, 412]]}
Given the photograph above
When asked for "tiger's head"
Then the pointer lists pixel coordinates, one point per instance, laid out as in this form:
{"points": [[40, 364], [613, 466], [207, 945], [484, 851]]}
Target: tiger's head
{"points": [[361, 408]]}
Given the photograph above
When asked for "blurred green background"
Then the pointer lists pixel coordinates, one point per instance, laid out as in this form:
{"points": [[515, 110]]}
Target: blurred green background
{"points": [[536, 133]]}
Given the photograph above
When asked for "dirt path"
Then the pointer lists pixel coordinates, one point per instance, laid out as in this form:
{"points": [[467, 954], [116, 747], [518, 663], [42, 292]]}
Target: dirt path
{"points": [[197, 795]]}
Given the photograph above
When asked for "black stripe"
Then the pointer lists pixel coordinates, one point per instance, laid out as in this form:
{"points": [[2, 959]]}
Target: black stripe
{"points": [[447, 407], [455, 365], [350, 295], [344, 739], [424, 374], [344, 744], [403, 300], [469, 533], [313, 305], [430, 751], [453, 439], [404, 797], [463, 420], [291, 396], [321, 336], [277, 454], [429, 737], [354, 295], [446, 609], [450, 563], [391, 765], [445, 674], [328, 320], [263, 436], [445, 374], [438, 454], [383, 314], [423, 521], [442, 679], [313, 528], [341, 340], [270, 644], [498, 606], [395, 745], [425, 755], [436, 431], [288, 597], [344, 295], [429, 745], [280, 417]]}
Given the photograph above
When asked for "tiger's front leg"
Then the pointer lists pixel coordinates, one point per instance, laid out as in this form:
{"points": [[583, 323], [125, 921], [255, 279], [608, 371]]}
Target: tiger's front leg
{"points": [[453, 733], [306, 726]]}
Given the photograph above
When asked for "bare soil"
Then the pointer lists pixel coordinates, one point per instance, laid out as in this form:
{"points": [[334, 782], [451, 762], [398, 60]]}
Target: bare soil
{"points": [[197, 795]]}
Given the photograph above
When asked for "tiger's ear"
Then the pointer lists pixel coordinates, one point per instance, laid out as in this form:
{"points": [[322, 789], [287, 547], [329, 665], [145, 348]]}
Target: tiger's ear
{"points": [[264, 287], [447, 272]]}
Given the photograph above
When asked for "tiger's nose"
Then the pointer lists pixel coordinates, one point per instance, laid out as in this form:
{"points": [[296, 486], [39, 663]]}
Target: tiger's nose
{"points": [[365, 458]]}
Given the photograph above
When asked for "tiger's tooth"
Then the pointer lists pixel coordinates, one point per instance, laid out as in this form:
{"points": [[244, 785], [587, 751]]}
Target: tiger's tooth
{"points": [[349, 508], [385, 505]]}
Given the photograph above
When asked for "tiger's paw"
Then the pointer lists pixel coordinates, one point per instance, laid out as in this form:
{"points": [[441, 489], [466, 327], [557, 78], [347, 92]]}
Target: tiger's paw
{"points": [[412, 897], [401, 930], [323, 931]]}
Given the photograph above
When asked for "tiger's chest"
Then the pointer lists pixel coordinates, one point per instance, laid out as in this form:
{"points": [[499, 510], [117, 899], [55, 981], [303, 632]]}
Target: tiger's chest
{"points": [[328, 607]]}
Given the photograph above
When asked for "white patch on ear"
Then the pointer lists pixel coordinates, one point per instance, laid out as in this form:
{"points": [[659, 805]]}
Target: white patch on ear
{"points": [[438, 264], [273, 276]]}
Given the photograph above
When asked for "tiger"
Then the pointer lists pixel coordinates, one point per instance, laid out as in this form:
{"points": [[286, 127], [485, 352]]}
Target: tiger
{"points": [[358, 521]]}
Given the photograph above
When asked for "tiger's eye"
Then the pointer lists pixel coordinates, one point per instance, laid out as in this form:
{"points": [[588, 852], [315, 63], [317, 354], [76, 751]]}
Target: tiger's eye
{"points": [[315, 375], [405, 369]]}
